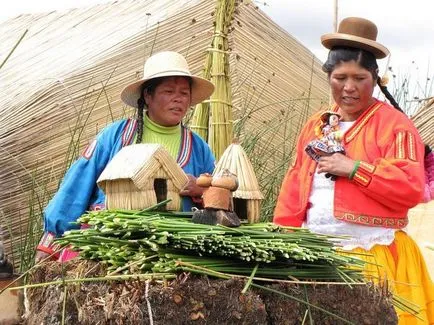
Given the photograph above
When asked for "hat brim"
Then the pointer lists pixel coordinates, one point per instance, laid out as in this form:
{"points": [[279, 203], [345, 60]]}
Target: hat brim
{"points": [[339, 39], [201, 89]]}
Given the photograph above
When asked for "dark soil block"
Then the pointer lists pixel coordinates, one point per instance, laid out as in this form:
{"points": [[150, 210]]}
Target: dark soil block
{"points": [[361, 304], [195, 300]]}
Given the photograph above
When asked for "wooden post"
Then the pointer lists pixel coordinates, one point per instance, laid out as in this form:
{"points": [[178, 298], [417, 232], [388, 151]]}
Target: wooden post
{"points": [[335, 17]]}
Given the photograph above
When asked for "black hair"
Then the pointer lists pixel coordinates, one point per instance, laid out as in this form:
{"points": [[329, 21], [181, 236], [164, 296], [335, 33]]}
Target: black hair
{"points": [[341, 54], [428, 150], [148, 87], [365, 59]]}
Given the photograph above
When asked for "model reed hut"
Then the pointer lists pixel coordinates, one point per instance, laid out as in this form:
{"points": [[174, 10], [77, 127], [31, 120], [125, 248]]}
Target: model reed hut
{"points": [[248, 196], [140, 176]]}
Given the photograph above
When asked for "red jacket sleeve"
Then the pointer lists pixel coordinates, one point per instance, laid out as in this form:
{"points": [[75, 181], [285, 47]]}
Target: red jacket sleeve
{"points": [[396, 179], [292, 201]]}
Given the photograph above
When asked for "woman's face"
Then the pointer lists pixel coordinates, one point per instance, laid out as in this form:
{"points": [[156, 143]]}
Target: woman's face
{"points": [[170, 101], [352, 87]]}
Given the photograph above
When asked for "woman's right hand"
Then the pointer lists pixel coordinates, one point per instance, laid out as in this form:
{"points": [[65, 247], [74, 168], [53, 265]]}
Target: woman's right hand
{"points": [[336, 164], [191, 188]]}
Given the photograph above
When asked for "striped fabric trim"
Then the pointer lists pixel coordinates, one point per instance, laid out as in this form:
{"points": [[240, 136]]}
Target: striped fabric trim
{"points": [[88, 152], [367, 167], [47, 239], [374, 221], [128, 132], [411, 143], [405, 146], [361, 177], [400, 151], [334, 107], [46, 244], [186, 147], [352, 132], [67, 254]]}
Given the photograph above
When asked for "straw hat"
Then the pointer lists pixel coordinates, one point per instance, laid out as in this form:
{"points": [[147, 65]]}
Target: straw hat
{"points": [[167, 64], [356, 32]]}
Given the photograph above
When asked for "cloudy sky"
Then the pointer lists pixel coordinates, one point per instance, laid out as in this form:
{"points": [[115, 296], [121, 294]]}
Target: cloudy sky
{"points": [[406, 28]]}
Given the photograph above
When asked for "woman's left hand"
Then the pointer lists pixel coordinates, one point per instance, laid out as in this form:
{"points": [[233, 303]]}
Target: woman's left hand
{"points": [[336, 164], [191, 188]]}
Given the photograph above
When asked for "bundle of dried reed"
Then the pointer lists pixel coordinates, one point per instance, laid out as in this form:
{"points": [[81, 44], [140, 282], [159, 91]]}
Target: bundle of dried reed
{"points": [[220, 120]]}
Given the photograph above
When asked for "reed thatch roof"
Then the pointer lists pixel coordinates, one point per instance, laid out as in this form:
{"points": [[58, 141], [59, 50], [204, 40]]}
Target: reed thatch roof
{"points": [[62, 85], [236, 161], [141, 162], [424, 121]]}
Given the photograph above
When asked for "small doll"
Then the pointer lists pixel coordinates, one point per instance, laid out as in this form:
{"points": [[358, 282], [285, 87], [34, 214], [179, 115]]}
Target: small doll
{"points": [[328, 139], [217, 199], [328, 135]]}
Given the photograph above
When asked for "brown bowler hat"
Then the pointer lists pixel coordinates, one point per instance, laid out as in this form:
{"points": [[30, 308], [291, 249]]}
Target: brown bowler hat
{"points": [[356, 32]]}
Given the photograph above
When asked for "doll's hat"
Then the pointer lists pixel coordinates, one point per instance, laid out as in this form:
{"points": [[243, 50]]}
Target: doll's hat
{"points": [[358, 33], [167, 64], [325, 116]]}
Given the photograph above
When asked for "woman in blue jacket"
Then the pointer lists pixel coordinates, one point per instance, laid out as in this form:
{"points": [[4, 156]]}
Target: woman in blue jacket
{"points": [[162, 98]]}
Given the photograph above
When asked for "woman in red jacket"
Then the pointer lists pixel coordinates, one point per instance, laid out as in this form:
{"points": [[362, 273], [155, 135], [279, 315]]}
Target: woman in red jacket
{"points": [[375, 181]]}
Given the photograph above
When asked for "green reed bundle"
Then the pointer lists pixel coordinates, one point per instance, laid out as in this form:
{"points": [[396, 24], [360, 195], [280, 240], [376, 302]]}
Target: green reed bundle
{"points": [[149, 241]]}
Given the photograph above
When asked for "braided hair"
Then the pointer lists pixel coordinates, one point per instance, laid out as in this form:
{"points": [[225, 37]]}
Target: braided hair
{"points": [[148, 87], [388, 95], [140, 108]]}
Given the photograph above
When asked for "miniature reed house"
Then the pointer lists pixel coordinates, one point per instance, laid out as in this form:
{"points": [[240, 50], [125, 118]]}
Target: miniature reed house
{"points": [[247, 198], [140, 176]]}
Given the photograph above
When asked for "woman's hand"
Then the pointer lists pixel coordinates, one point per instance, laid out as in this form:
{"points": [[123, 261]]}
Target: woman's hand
{"points": [[336, 164], [191, 188]]}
